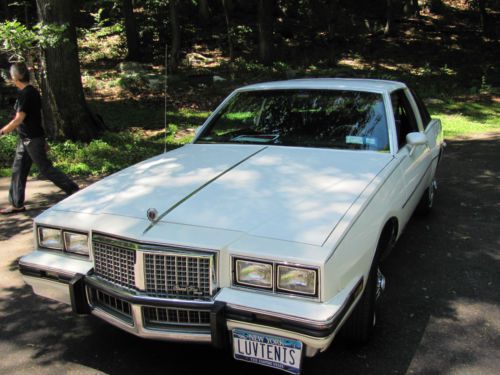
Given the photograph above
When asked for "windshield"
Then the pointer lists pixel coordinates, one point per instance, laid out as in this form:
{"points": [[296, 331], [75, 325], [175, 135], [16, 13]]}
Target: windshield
{"points": [[305, 118]]}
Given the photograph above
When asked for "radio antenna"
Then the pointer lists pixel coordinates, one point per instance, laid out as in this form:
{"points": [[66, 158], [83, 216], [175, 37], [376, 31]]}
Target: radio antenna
{"points": [[165, 101]]}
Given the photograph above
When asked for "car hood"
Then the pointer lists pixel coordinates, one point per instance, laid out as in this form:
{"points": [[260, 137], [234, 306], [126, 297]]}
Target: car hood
{"points": [[287, 193]]}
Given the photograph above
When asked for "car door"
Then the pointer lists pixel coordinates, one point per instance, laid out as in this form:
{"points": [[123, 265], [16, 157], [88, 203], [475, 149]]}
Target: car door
{"points": [[433, 130], [414, 160]]}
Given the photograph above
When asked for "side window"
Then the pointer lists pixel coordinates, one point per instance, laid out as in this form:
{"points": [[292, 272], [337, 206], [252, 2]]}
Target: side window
{"points": [[424, 113], [404, 117]]}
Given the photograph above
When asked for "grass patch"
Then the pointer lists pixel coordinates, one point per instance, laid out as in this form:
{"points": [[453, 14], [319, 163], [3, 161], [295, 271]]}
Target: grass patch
{"points": [[465, 117], [117, 149]]}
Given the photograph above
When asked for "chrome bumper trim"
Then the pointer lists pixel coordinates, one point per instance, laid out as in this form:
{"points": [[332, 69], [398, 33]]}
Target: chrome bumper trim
{"points": [[51, 262], [329, 323], [229, 308], [137, 325], [139, 299], [138, 329], [48, 288]]}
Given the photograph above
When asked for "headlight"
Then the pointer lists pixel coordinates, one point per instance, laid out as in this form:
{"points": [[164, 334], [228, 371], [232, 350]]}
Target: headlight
{"points": [[76, 243], [297, 280], [256, 274], [50, 238]]}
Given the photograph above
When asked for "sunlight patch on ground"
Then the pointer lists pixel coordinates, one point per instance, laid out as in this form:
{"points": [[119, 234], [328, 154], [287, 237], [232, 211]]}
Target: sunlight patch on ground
{"points": [[353, 63]]}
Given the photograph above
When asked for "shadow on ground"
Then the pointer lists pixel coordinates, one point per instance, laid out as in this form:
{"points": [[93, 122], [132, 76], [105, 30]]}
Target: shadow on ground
{"points": [[23, 222], [442, 271]]}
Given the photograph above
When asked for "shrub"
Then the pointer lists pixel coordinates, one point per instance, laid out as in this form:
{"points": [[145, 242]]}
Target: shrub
{"points": [[7, 150]]}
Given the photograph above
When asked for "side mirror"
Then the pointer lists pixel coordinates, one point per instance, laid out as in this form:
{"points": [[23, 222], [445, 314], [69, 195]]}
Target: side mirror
{"points": [[415, 139]]}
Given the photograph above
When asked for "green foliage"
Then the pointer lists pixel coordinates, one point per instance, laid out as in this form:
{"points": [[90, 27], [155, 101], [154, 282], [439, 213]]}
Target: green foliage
{"points": [[133, 82], [18, 40], [102, 43], [240, 34], [117, 28], [7, 149], [112, 152]]}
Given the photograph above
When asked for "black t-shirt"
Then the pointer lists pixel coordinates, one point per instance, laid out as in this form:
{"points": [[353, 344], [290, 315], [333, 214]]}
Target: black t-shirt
{"points": [[29, 102]]}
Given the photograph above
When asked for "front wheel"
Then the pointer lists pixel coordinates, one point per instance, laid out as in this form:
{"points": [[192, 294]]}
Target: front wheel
{"points": [[359, 326], [427, 201]]}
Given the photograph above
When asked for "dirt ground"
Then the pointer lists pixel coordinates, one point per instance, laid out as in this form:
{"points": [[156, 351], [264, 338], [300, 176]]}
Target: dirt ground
{"points": [[440, 313]]}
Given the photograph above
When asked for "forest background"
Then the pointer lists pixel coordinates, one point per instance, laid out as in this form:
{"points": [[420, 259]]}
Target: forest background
{"points": [[101, 64]]}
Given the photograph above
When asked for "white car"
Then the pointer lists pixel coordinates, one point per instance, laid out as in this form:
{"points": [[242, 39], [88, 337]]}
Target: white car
{"points": [[265, 233]]}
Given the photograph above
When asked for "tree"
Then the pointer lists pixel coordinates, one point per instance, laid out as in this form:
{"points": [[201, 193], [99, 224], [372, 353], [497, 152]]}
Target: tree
{"points": [[65, 112], [226, 5], [5, 9], [435, 6], [265, 25], [133, 45], [176, 35], [389, 24], [411, 8], [203, 10], [484, 19]]}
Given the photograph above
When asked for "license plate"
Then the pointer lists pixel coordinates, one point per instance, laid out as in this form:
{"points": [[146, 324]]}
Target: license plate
{"points": [[267, 350]]}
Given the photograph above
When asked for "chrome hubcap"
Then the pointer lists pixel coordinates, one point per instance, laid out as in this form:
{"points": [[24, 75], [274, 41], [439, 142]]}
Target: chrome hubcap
{"points": [[380, 284], [432, 190]]}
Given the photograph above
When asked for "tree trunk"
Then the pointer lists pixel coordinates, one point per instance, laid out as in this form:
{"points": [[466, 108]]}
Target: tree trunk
{"points": [[484, 19], [410, 7], [65, 112], [389, 25], [435, 6], [266, 9], [226, 4], [133, 45], [333, 14], [203, 10], [5, 10], [176, 36], [416, 8]]}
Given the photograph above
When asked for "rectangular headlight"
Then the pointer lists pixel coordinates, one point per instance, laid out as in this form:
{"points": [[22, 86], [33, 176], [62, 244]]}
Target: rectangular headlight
{"points": [[297, 280], [76, 243], [50, 238], [256, 274]]}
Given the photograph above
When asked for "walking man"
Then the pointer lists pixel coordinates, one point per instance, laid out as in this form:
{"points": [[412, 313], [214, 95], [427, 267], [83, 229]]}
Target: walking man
{"points": [[31, 146]]}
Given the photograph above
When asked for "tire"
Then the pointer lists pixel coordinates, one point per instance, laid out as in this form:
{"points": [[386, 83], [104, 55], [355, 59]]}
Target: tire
{"points": [[427, 201], [358, 329]]}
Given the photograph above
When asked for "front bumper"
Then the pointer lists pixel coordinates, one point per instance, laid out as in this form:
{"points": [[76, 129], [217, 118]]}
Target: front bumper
{"points": [[71, 281]]}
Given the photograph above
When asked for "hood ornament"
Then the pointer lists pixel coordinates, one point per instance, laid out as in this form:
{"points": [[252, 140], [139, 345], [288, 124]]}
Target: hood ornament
{"points": [[152, 214]]}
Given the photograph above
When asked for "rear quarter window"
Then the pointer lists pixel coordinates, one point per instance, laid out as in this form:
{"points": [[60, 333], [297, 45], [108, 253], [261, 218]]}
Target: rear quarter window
{"points": [[422, 109]]}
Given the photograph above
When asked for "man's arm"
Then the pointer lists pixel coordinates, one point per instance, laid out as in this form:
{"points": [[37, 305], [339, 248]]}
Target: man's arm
{"points": [[16, 121]]}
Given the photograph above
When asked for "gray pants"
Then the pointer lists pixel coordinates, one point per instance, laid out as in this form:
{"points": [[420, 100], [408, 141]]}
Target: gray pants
{"points": [[29, 151]]}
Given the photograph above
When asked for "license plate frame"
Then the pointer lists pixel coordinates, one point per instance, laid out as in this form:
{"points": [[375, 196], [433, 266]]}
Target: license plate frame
{"points": [[258, 348]]}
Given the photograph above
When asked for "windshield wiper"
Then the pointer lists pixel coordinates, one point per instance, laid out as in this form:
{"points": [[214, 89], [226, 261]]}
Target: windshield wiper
{"points": [[255, 138]]}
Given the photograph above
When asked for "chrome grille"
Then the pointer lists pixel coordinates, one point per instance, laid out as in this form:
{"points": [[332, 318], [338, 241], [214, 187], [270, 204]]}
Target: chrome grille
{"points": [[156, 271], [115, 264], [166, 316], [111, 304], [178, 276]]}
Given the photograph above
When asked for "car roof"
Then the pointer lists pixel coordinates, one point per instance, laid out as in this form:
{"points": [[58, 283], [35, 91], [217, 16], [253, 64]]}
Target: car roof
{"points": [[351, 84]]}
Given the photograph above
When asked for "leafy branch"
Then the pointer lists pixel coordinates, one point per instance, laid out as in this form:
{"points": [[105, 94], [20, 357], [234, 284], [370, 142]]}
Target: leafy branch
{"points": [[19, 41]]}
